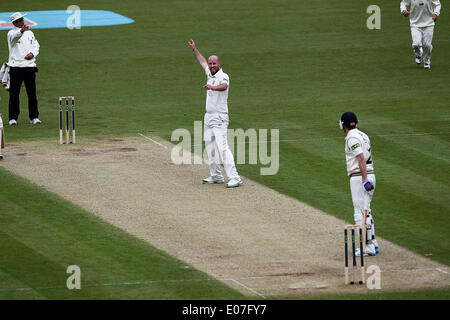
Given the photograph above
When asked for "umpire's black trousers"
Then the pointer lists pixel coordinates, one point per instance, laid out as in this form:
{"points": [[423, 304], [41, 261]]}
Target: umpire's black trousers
{"points": [[17, 76]]}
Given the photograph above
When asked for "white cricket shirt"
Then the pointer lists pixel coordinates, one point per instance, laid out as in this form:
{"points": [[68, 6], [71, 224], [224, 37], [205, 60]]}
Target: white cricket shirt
{"points": [[217, 101], [357, 142], [421, 11], [20, 44]]}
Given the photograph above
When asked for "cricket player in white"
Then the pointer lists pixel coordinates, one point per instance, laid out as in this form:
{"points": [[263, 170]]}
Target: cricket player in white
{"points": [[422, 16], [216, 121], [362, 177]]}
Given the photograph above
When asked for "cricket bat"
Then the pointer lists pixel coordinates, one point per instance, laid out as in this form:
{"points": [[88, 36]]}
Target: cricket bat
{"points": [[363, 227]]}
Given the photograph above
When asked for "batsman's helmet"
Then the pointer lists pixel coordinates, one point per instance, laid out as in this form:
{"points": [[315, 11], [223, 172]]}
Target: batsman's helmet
{"points": [[349, 119]]}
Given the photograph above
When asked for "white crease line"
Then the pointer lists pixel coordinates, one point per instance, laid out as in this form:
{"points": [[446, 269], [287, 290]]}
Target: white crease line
{"points": [[440, 270], [248, 288], [131, 283], [26, 289], [165, 147]]}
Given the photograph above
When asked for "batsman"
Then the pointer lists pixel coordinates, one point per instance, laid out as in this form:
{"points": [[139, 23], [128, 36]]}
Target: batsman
{"points": [[360, 169]]}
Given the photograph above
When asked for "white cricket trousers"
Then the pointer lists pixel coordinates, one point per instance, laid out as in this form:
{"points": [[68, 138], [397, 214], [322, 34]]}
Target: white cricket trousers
{"points": [[361, 199], [216, 145], [421, 42]]}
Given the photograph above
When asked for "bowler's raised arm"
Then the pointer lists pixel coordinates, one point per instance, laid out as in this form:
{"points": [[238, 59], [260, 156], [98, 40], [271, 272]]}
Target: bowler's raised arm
{"points": [[198, 55]]}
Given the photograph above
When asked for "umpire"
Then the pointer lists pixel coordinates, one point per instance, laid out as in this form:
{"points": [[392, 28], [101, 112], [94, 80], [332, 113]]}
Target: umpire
{"points": [[23, 49]]}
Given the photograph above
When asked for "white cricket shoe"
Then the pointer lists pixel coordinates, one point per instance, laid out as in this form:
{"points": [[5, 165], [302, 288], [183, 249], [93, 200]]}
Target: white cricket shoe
{"points": [[35, 121], [426, 66], [213, 180], [418, 59], [370, 251], [12, 122], [234, 182]]}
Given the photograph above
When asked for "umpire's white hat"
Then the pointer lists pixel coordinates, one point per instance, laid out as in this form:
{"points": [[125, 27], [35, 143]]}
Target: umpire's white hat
{"points": [[16, 16]]}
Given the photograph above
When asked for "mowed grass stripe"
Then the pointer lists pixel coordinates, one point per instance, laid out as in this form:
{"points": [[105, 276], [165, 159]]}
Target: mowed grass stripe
{"points": [[12, 288], [433, 143], [399, 219], [26, 264], [42, 234], [429, 166], [416, 184]]}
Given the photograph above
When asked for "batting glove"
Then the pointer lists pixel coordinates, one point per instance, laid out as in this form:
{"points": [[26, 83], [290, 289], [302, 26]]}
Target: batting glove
{"points": [[368, 185]]}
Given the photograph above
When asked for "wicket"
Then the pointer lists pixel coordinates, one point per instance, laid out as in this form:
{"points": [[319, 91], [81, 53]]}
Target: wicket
{"points": [[353, 228], [66, 99]]}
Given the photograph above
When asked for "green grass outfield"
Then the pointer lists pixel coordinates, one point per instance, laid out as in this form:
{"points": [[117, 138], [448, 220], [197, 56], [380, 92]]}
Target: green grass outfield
{"points": [[293, 65]]}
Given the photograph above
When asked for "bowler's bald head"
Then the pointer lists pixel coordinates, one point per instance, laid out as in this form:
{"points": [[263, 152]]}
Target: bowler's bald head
{"points": [[214, 64], [214, 58]]}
